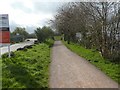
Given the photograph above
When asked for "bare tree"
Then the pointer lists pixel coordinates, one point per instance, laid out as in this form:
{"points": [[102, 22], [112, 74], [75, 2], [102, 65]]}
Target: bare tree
{"points": [[98, 23]]}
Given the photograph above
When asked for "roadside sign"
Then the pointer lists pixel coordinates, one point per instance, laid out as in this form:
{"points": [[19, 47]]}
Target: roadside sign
{"points": [[5, 35], [4, 31]]}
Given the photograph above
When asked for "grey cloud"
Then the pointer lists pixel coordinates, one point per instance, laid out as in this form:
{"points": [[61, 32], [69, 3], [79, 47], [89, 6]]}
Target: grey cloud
{"points": [[38, 7], [19, 5], [12, 26], [30, 29], [46, 7]]}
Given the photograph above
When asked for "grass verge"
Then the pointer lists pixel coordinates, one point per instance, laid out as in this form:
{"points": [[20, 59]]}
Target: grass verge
{"points": [[94, 57], [27, 68]]}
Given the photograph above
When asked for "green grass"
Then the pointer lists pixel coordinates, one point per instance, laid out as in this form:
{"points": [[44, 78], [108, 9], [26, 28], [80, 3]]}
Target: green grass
{"points": [[0, 73], [27, 69], [57, 38], [49, 42], [94, 57]]}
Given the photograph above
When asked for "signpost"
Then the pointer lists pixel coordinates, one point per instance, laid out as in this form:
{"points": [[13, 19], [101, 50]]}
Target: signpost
{"points": [[4, 31]]}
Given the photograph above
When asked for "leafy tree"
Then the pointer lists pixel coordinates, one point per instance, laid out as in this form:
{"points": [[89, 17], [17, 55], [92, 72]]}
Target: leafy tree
{"points": [[20, 31], [44, 33]]}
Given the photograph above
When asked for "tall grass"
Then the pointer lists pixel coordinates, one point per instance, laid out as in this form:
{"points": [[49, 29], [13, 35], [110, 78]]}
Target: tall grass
{"points": [[28, 68]]}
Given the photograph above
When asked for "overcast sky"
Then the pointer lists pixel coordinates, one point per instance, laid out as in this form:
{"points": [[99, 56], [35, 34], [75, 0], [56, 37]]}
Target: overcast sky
{"points": [[30, 13]]}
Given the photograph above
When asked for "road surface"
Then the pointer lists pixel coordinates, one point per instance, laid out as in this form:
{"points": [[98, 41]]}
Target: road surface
{"points": [[14, 47], [69, 70]]}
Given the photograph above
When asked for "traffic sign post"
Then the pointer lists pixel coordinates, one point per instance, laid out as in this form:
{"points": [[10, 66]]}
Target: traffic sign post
{"points": [[4, 31]]}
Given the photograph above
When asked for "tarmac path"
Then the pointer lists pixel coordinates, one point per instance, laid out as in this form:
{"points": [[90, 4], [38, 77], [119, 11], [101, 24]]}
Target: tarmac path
{"points": [[68, 70]]}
